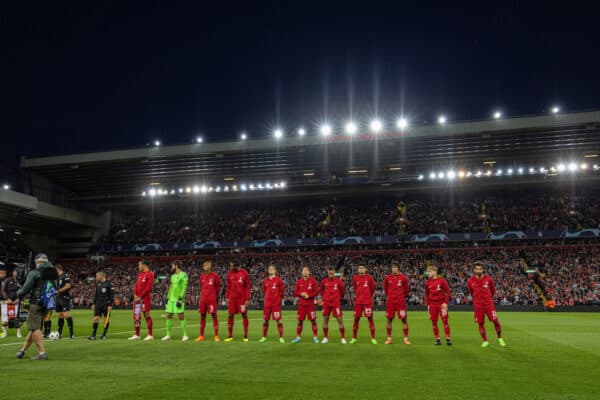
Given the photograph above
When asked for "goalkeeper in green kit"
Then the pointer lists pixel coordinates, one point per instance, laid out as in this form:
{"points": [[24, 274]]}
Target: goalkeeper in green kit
{"points": [[176, 299]]}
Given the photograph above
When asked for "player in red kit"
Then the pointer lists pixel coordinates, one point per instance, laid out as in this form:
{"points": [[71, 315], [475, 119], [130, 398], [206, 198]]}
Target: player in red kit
{"points": [[397, 289], [273, 290], [483, 289], [237, 295], [332, 290], [210, 287], [142, 300], [364, 287], [306, 289], [437, 296]]}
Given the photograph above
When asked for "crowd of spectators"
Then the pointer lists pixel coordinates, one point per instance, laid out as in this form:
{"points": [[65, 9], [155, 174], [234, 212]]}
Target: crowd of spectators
{"points": [[571, 275], [487, 212]]}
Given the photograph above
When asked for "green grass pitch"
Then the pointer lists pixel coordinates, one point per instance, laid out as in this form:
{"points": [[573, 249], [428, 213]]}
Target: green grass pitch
{"points": [[549, 356]]}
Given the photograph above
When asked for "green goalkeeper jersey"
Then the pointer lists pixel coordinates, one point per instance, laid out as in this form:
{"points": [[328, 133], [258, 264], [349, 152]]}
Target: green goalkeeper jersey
{"points": [[179, 282]]}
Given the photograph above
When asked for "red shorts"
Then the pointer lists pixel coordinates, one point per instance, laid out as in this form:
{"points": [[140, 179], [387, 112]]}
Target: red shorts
{"points": [[393, 309], [336, 310], [237, 306], [363, 309], [435, 311], [306, 310], [272, 311], [207, 306], [145, 304], [480, 314]]}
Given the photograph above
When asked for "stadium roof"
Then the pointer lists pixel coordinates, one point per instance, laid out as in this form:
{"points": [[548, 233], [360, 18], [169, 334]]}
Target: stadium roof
{"points": [[318, 162]]}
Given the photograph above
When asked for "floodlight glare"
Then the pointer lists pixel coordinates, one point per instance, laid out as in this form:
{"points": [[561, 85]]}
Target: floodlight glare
{"points": [[442, 119], [520, 170], [278, 133], [555, 110], [401, 123], [451, 175], [196, 189], [440, 175], [301, 132], [376, 126], [497, 115], [157, 143], [420, 177], [326, 129], [561, 167], [432, 176], [583, 166], [244, 136], [199, 139], [572, 167], [351, 128]]}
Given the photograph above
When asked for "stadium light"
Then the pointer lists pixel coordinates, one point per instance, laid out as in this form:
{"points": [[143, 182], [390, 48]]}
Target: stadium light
{"points": [[196, 189], [203, 189], [188, 189], [461, 174], [157, 143], [301, 132], [152, 192], [6, 186], [532, 170], [583, 166], [326, 130], [489, 172], [497, 115], [440, 175], [510, 171], [555, 109], [520, 170], [420, 177], [376, 126], [278, 133], [282, 184], [244, 136], [199, 139], [572, 167], [180, 190], [478, 174], [561, 167], [143, 194], [499, 172], [432, 176], [351, 128], [243, 187], [401, 123], [451, 175], [442, 119]]}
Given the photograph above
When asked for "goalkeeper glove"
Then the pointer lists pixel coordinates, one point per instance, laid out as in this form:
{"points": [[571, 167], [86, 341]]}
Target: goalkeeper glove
{"points": [[178, 304]]}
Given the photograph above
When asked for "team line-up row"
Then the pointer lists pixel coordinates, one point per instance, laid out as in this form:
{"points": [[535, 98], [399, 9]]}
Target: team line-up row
{"points": [[327, 293]]}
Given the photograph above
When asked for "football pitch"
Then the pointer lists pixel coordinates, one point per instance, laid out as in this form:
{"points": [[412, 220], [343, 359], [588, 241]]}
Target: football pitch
{"points": [[549, 356]]}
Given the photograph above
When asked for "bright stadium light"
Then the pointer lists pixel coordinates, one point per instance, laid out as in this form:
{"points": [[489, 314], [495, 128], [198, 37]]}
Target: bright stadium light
{"points": [[543, 170], [499, 172], [203, 189], [152, 192], [583, 166], [520, 170], [199, 139], [188, 189], [420, 177], [376, 126], [532, 170], [561, 167], [351, 128], [451, 175], [196, 189], [6, 186], [157, 143], [244, 136], [497, 114], [461, 174], [144, 194], [442, 119], [180, 190], [510, 171], [401, 123], [243, 187], [572, 167], [440, 175], [555, 109], [432, 176], [278, 133], [489, 172], [301, 132], [282, 184], [478, 174], [325, 130]]}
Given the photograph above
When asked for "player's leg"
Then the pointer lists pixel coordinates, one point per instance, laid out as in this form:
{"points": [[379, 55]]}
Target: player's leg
{"points": [[215, 319], [106, 316], [313, 322], [137, 320], [301, 318], [265, 328], [95, 321], [47, 323], [232, 311], [4, 319], [444, 315], [69, 319], [480, 321], [493, 317], [183, 323], [149, 324], [277, 317], [244, 313], [340, 320], [61, 322], [169, 326], [358, 311], [369, 315], [404, 318], [326, 313], [434, 312]]}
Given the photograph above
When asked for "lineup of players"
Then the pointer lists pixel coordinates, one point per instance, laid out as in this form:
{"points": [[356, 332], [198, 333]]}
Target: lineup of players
{"points": [[328, 294]]}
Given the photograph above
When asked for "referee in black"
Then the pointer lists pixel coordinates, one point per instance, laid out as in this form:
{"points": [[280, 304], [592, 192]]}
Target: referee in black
{"points": [[103, 302], [63, 301]]}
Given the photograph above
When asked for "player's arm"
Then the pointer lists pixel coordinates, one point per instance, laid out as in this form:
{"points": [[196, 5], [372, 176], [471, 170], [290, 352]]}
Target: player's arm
{"points": [[426, 294], [407, 286], [228, 286], [446, 292], [386, 285], [281, 289], [342, 288], [297, 289], [492, 288], [111, 295], [372, 286], [248, 287], [67, 286], [184, 286]]}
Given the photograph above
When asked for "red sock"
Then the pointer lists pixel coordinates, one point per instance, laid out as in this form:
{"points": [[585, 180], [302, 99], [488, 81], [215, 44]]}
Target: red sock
{"points": [[388, 331], [372, 327], [202, 324], [355, 327], [482, 332], [446, 327], [245, 317], [137, 328], [215, 324], [149, 323], [436, 330], [498, 328], [314, 327], [265, 328], [325, 333], [280, 329], [405, 332], [342, 333], [230, 325], [299, 328]]}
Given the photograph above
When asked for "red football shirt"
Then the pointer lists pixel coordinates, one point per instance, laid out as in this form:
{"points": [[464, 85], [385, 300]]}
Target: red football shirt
{"points": [[437, 291], [310, 286], [274, 290], [482, 290], [143, 285], [396, 288], [238, 285], [332, 291], [210, 286], [364, 287]]}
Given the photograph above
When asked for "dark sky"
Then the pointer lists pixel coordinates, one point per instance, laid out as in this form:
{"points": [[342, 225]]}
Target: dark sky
{"points": [[100, 75]]}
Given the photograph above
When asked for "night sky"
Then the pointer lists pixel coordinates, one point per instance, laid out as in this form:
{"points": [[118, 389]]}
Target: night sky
{"points": [[98, 75]]}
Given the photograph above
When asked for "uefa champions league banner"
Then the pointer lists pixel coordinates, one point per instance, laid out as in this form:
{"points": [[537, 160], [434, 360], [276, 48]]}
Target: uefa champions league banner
{"points": [[351, 240]]}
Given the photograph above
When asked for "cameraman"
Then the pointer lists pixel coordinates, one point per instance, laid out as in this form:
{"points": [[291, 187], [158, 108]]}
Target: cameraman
{"points": [[36, 279]]}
